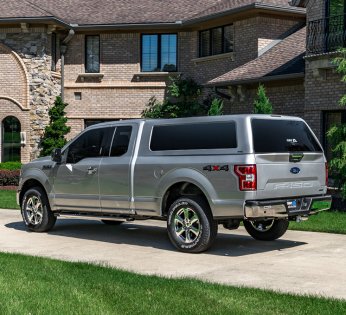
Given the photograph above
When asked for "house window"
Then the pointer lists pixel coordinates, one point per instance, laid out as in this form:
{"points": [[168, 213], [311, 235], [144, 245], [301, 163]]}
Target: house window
{"points": [[159, 52], [215, 41], [92, 54], [330, 119]]}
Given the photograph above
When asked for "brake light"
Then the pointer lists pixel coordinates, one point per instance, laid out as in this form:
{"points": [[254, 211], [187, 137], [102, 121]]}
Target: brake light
{"points": [[326, 174], [247, 176]]}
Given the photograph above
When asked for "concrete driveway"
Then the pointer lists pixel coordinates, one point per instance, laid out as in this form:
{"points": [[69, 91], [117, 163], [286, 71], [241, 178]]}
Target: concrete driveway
{"points": [[300, 262]]}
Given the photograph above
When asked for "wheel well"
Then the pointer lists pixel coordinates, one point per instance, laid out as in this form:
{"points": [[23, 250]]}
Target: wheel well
{"points": [[30, 183], [181, 189]]}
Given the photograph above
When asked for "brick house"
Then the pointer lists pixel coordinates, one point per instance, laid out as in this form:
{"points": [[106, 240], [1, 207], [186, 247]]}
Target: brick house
{"points": [[326, 32], [112, 56]]}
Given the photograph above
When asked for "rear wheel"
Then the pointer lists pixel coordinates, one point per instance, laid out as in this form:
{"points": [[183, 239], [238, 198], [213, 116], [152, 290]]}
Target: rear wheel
{"points": [[36, 211], [266, 230], [111, 222], [191, 227]]}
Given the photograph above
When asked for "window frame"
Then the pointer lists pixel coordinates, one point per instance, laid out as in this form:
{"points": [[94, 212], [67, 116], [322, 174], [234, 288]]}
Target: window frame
{"points": [[86, 52], [210, 30], [54, 52], [66, 151], [159, 51]]}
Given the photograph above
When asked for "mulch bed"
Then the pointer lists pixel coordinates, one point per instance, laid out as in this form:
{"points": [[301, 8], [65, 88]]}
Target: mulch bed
{"points": [[8, 187]]}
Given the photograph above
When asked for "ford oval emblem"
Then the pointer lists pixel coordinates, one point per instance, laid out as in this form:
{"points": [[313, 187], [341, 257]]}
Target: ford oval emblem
{"points": [[295, 170]]}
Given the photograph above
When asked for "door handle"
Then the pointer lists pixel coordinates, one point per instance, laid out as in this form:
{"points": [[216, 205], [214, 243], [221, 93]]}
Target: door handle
{"points": [[92, 170]]}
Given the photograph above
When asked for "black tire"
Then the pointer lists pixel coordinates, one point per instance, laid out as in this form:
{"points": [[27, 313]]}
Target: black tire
{"points": [[273, 229], [111, 222], [196, 208], [42, 219]]}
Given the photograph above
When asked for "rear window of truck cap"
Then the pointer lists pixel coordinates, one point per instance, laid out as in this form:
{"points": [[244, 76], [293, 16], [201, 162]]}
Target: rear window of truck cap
{"points": [[194, 136], [282, 136]]}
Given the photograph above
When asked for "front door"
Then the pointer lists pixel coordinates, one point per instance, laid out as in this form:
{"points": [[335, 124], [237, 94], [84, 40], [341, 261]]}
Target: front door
{"points": [[76, 182]]}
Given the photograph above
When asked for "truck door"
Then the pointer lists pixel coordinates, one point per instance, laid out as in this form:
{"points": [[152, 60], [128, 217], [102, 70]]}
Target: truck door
{"points": [[76, 180], [114, 173]]}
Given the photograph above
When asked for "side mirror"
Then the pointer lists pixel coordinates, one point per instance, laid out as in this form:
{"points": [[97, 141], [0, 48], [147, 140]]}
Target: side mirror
{"points": [[56, 155]]}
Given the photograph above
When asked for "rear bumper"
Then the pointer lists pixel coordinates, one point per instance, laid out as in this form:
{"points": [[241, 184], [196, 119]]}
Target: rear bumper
{"points": [[284, 208]]}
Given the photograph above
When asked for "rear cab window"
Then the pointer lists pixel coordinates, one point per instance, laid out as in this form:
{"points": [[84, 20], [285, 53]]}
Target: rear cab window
{"points": [[194, 136], [282, 136]]}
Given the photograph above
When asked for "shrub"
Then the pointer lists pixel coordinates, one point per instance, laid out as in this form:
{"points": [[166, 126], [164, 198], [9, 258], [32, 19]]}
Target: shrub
{"points": [[262, 104], [54, 133], [337, 135], [10, 166], [216, 107], [9, 177], [182, 100]]}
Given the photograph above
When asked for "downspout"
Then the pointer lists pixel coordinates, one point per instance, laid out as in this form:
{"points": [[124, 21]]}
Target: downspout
{"points": [[63, 49]]}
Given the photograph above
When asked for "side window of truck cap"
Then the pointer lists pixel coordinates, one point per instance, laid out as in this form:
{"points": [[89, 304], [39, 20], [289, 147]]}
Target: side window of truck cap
{"points": [[194, 136], [121, 140]]}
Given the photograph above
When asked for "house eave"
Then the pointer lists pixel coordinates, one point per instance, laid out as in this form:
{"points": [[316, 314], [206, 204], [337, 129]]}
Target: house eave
{"points": [[35, 20], [257, 80]]}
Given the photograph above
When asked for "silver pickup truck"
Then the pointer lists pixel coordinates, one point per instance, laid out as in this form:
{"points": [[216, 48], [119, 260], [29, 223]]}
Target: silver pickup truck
{"points": [[195, 173]]}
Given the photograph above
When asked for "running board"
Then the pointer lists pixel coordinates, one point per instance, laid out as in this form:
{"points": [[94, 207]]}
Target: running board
{"points": [[93, 217]]}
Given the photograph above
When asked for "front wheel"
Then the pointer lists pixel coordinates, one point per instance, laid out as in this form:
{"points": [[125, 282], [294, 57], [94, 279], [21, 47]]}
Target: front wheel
{"points": [[36, 212], [191, 227], [266, 230]]}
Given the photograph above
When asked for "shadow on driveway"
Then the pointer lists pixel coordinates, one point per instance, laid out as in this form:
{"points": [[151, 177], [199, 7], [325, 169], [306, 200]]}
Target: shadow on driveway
{"points": [[227, 244]]}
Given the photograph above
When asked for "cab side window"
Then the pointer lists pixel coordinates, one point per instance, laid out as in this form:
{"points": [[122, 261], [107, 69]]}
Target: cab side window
{"points": [[121, 140], [92, 143]]}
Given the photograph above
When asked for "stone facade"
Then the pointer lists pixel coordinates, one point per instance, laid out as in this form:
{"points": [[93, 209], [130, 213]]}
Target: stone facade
{"points": [[28, 87]]}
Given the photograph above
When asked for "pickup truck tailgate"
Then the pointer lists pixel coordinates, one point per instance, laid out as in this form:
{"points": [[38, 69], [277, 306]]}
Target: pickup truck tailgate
{"points": [[290, 161], [278, 177]]}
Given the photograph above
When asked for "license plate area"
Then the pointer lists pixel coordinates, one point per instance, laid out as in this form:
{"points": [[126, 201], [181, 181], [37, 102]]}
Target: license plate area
{"points": [[299, 204]]}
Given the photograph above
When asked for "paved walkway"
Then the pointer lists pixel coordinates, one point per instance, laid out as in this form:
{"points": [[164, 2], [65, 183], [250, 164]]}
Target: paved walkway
{"points": [[300, 262]]}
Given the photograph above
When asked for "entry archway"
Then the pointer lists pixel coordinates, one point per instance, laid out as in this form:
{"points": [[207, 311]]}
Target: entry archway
{"points": [[11, 146]]}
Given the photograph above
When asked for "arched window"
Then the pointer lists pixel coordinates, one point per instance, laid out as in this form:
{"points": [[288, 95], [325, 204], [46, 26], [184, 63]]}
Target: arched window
{"points": [[10, 139]]}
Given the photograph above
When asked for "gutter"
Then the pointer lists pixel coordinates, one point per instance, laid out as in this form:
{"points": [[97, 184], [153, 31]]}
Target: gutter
{"points": [[253, 6], [257, 80], [31, 20]]}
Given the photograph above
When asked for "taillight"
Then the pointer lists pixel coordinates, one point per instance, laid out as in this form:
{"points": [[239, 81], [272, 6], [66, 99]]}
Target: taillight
{"points": [[247, 175], [326, 174]]}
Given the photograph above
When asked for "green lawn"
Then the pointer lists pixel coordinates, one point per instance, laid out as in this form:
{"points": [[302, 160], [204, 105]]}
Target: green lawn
{"points": [[8, 199], [326, 221], [32, 285]]}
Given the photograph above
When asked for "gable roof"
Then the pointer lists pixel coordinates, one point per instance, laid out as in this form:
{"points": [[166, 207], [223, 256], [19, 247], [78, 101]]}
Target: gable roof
{"points": [[127, 12], [15, 8], [285, 58]]}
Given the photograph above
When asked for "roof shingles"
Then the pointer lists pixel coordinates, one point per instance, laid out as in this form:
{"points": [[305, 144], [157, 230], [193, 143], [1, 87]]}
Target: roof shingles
{"points": [[284, 58], [97, 12]]}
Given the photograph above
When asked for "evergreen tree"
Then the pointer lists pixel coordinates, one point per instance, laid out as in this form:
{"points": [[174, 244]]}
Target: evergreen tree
{"points": [[54, 133], [216, 107], [337, 135], [262, 104]]}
